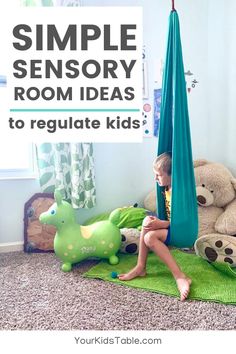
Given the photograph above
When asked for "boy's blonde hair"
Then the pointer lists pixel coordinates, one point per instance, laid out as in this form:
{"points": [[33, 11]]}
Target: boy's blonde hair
{"points": [[163, 162]]}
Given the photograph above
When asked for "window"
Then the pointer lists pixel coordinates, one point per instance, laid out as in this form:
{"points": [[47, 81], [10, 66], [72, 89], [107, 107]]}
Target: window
{"points": [[17, 162]]}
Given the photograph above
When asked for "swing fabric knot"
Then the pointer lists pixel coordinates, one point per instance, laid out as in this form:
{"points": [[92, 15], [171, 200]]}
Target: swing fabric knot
{"points": [[173, 5]]}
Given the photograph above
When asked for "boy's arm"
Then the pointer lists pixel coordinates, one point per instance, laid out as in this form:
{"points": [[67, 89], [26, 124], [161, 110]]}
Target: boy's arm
{"points": [[152, 223]]}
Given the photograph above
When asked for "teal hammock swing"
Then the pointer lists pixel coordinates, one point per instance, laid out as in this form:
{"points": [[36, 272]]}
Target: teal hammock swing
{"points": [[174, 136]]}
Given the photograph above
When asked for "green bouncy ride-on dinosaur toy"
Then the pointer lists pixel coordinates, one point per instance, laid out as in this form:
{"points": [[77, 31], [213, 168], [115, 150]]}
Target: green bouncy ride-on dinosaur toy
{"points": [[73, 242]]}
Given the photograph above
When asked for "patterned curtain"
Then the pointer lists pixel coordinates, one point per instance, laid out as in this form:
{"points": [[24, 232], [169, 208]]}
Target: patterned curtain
{"points": [[68, 167]]}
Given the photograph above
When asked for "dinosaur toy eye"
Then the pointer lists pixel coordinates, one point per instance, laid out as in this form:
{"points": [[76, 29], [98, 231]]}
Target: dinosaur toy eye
{"points": [[203, 185], [53, 212], [212, 191]]}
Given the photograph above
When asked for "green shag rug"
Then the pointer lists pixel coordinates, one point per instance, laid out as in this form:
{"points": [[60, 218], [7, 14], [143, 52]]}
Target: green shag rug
{"points": [[210, 282]]}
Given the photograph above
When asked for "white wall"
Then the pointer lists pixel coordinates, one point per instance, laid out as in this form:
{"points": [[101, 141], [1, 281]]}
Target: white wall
{"points": [[123, 171], [221, 74], [13, 195]]}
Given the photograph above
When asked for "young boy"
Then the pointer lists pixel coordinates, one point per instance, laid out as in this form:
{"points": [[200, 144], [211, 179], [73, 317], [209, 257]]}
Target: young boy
{"points": [[155, 234]]}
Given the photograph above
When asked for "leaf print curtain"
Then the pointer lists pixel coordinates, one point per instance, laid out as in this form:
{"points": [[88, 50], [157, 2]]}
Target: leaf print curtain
{"points": [[68, 167]]}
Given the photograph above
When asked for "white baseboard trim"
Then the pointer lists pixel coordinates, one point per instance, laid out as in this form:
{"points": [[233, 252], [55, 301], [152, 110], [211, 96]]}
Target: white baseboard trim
{"points": [[11, 247]]}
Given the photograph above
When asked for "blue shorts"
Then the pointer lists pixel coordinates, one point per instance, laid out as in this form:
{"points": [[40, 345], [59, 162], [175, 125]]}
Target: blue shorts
{"points": [[167, 241]]}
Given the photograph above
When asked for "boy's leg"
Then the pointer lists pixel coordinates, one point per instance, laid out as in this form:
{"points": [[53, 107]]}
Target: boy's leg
{"points": [[155, 241], [139, 269]]}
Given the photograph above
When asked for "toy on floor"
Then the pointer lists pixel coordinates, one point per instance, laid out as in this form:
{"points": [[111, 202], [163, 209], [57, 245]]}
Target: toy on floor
{"points": [[124, 217], [114, 275], [129, 240], [38, 237], [216, 196], [73, 242], [129, 220]]}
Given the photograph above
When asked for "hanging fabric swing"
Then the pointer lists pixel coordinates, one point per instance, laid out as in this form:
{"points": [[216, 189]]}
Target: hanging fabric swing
{"points": [[174, 136]]}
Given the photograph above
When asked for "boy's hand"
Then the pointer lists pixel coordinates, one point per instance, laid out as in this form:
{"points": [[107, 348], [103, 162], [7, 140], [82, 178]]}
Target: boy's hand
{"points": [[151, 223]]}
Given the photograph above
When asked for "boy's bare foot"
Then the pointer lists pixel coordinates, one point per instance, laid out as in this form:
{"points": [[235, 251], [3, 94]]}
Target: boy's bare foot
{"points": [[183, 285], [134, 273]]}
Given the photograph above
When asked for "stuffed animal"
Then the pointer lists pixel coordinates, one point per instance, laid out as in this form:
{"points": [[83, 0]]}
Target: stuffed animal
{"points": [[129, 240], [150, 201], [73, 242], [216, 197], [129, 221]]}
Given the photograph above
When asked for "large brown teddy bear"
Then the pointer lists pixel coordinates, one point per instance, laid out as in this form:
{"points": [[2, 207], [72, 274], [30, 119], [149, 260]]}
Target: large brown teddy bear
{"points": [[216, 196]]}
